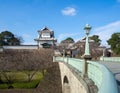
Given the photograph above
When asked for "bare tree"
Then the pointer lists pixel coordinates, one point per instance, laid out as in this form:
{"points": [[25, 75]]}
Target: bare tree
{"points": [[27, 61]]}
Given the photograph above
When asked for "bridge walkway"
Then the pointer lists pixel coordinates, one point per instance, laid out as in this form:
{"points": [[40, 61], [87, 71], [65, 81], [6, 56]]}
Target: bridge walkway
{"points": [[114, 67]]}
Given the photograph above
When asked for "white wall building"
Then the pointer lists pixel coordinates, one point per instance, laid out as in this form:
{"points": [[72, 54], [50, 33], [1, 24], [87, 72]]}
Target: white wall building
{"points": [[46, 38]]}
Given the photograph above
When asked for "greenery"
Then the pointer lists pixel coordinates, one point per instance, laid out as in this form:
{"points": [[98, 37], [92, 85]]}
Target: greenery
{"points": [[96, 39], [8, 38], [27, 61], [24, 68], [21, 81], [114, 42], [69, 39]]}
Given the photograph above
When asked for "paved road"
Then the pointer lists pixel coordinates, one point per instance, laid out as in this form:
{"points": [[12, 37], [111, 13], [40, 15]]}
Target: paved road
{"points": [[114, 67]]}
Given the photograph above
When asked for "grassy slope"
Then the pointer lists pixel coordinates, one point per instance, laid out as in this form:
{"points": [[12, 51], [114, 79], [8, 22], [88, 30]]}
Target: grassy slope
{"points": [[20, 80]]}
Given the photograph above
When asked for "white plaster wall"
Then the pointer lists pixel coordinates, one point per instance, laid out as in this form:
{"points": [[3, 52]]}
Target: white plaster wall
{"points": [[20, 47], [75, 85]]}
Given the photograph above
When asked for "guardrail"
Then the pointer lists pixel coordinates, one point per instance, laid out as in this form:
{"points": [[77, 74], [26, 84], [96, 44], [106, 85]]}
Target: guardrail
{"points": [[76, 63], [102, 77], [110, 59]]}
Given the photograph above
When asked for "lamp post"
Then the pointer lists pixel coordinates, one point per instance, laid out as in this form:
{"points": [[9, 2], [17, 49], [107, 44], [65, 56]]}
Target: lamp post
{"points": [[87, 29], [87, 55]]}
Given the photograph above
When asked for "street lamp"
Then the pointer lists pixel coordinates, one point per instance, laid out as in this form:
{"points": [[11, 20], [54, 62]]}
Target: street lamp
{"points": [[87, 55], [87, 29]]}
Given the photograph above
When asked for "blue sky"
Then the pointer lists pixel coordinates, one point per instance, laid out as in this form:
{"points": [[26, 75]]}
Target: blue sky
{"points": [[66, 17]]}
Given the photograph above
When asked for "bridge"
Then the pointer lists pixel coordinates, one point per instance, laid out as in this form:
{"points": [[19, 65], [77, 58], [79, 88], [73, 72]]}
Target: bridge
{"points": [[100, 77], [113, 64]]}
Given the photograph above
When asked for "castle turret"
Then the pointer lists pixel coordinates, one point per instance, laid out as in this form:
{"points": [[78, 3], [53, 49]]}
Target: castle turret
{"points": [[46, 38]]}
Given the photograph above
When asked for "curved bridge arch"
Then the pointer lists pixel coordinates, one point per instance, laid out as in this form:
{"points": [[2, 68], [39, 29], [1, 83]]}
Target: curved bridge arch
{"points": [[66, 85], [65, 80], [70, 84]]}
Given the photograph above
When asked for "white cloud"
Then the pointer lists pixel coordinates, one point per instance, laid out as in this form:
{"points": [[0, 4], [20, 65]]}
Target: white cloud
{"points": [[26, 36], [106, 31], [118, 1], [69, 11]]}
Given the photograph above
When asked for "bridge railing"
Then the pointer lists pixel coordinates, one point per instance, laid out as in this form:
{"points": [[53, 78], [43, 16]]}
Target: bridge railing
{"points": [[110, 59], [102, 77], [94, 72], [76, 63]]}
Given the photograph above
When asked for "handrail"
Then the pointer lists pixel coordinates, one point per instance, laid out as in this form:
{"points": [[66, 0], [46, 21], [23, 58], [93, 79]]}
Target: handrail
{"points": [[102, 77], [108, 82], [77, 63], [95, 73], [110, 59]]}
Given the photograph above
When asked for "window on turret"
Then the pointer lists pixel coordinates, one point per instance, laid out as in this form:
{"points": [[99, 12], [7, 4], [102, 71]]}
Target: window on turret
{"points": [[45, 34]]}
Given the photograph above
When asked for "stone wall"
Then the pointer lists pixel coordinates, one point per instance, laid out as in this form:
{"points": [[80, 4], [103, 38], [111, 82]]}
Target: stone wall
{"points": [[70, 83]]}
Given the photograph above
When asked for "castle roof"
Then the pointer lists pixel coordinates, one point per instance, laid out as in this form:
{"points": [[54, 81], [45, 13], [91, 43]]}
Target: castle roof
{"points": [[45, 29]]}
